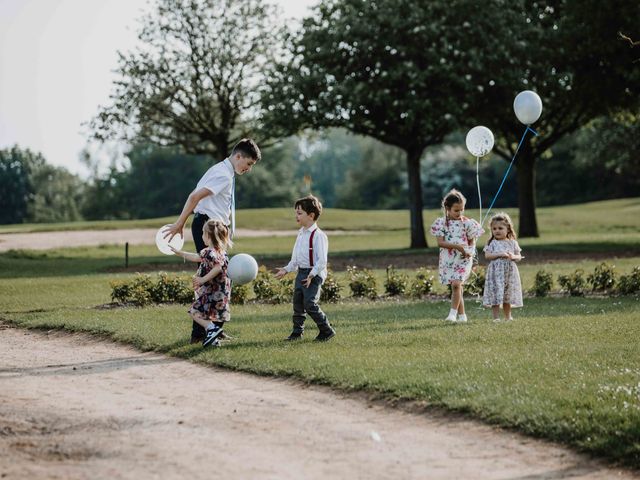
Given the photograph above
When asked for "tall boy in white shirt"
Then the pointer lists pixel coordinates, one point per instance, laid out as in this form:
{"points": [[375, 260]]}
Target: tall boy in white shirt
{"points": [[309, 257], [213, 198]]}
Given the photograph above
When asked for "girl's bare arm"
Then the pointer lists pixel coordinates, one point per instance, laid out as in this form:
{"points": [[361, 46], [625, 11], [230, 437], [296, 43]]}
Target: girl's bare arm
{"points": [[215, 271], [192, 257], [454, 246]]}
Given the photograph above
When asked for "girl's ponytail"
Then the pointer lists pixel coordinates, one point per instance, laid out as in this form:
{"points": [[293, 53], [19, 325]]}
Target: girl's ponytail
{"points": [[219, 234]]}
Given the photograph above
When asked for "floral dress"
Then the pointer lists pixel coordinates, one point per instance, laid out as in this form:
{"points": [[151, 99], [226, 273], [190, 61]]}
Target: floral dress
{"points": [[502, 280], [452, 265], [212, 298]]}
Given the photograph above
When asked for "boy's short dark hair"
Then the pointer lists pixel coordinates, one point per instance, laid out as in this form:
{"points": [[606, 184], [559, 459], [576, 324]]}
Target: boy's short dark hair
{"points": [[309, 205], [247, 148]]}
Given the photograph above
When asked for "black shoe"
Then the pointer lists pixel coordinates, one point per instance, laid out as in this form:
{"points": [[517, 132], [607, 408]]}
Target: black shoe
{"points": [[293, 337], [212, 335], [324, 336]]}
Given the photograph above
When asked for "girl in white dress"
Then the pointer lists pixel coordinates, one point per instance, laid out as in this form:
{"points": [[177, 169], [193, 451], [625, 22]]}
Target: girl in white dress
{"points": [[502, 282], [456, 236]]}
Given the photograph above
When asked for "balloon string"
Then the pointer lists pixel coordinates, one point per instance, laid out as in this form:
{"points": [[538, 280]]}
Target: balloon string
{"points": [[528, 129], [478, 183]]}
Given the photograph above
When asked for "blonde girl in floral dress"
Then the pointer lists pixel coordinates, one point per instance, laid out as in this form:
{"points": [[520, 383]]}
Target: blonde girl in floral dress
{"points": [[211, 283], [456, 236], [502, 282]]}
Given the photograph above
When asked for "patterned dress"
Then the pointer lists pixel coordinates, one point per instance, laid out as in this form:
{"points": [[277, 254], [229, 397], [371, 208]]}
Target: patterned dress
{"points": [[212, 298], [502, 281], [452, 264]]}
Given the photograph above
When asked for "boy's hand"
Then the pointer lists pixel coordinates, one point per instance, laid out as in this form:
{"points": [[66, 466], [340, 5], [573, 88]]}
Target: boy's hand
{"points": [[307, 281], [174, 250], [280, 272], [173, 230]]}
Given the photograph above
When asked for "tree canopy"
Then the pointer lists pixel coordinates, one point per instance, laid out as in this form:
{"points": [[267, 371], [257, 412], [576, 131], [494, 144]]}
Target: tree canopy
{"points": [[380, 68], [192, 80]]}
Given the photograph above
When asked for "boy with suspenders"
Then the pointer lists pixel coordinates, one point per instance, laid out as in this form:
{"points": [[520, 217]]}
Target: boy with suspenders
{"points": [[309, 257]]}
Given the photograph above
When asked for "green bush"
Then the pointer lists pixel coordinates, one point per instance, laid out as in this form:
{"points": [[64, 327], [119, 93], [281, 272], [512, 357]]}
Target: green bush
{"points": [[396, 283], [171, 290], [271, 290], [573, 284], [422, 284], [330, 289], [120, 291], [475, 283], [143, 291], [630, 284], [603, 278], [542, 283], [266, 286], [239, 294], [362, 282]]}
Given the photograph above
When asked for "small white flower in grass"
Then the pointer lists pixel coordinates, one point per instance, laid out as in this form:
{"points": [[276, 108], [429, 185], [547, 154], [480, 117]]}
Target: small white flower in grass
{"points": [[375, 436]]}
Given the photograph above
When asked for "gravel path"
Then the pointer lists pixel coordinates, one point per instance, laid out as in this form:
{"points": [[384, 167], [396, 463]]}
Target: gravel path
{"points": [[74, 407]]}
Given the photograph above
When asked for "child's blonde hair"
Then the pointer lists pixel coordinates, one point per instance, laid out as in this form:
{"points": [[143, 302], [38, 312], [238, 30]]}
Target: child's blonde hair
{"points": [[218, 232], [503, 217], [450, 199]]}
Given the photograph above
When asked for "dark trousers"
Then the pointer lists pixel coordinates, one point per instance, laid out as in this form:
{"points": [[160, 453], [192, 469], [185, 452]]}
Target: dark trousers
{"points": [[305, 300], [197, 332]]}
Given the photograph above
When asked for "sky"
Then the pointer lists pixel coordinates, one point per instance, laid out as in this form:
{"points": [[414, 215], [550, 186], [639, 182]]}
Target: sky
{"points": [[56, 67]]}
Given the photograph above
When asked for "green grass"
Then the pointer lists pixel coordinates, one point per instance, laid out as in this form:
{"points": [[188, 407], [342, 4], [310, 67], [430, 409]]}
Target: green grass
{"points": [[612, 217], [567, 369]]}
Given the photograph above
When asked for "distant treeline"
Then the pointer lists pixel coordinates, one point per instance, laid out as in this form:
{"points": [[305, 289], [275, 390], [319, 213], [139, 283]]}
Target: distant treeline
{"points": [[344, 170]]}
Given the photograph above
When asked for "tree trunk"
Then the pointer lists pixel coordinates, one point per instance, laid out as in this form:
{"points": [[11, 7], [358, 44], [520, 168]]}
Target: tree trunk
{"points": [[415, 199], [526, 174]]}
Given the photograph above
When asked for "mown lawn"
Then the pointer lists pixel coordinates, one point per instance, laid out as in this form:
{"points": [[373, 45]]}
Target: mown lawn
{"points": [[566, 369]]}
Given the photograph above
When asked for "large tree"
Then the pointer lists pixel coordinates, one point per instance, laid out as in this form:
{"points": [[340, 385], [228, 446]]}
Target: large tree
{"points": [[191, 82], [571, 54], [382, 68]]}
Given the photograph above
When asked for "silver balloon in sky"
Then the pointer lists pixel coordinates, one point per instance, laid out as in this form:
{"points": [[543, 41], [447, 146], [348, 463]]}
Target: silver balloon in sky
{"points": [[528, 107]]}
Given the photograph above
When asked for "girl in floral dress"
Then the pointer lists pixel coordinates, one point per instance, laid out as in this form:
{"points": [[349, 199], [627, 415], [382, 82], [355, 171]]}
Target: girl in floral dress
{"points": [[502, 285], [211, 283], [456, 236]]}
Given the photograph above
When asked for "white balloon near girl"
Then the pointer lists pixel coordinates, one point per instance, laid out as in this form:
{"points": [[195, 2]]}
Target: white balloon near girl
{"points": [[479, 142]]}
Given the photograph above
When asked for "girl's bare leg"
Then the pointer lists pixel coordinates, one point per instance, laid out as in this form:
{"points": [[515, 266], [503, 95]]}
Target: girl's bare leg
{"points": [[200, 319], [456, 297], [495, 309], [507, 311]]}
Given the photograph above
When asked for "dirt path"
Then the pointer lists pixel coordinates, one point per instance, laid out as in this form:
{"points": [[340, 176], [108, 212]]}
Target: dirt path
{"points": [[135, 236], [78, 238], [75, 407]]}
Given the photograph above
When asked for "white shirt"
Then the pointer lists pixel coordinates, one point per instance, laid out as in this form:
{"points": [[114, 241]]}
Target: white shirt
{"points": [[300, 255], [218, 180]]}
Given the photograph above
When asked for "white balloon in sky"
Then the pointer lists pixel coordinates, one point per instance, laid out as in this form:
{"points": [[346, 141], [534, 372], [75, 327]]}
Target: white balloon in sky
{"points": [[528, 107], [479, 141]]}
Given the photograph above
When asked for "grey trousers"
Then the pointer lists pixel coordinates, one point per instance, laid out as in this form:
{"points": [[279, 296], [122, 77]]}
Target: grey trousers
{"points": [[305, 300]]}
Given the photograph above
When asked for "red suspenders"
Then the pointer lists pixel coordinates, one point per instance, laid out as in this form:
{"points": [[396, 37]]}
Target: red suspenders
{"points": [[311, 247]]}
